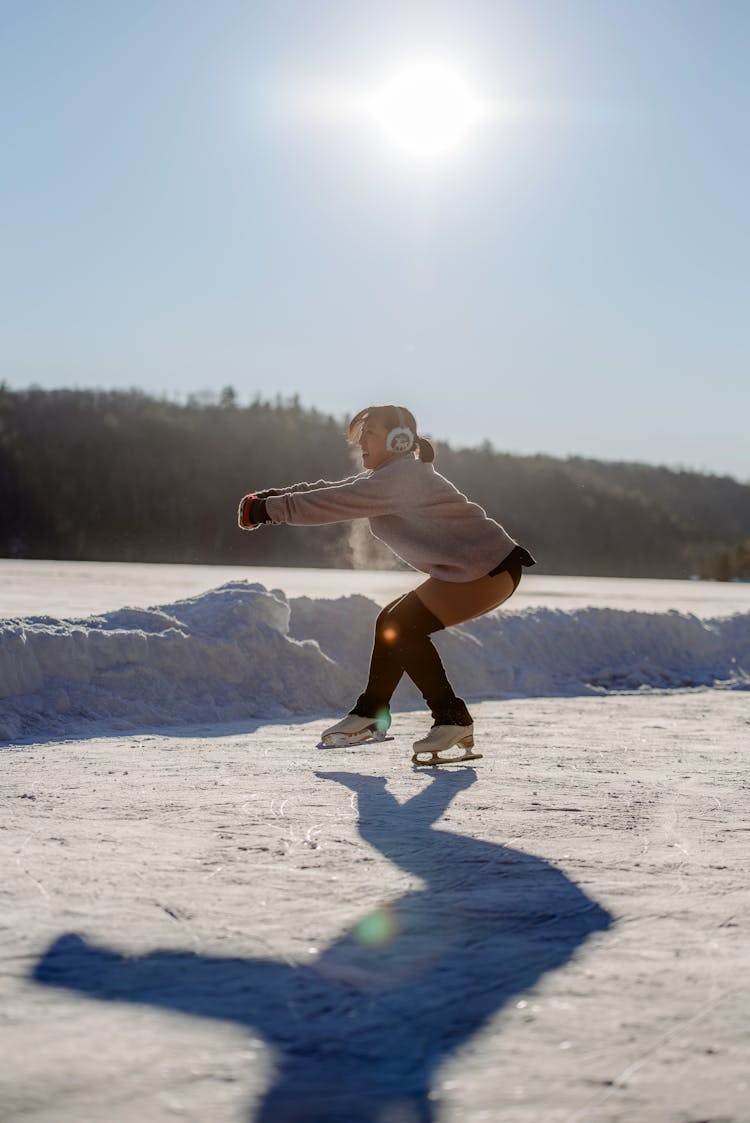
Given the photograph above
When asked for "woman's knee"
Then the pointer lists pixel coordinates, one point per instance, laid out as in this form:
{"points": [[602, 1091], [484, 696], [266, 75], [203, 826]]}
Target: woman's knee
{"points": [[408, 617], [403, 618], [386, 624]]}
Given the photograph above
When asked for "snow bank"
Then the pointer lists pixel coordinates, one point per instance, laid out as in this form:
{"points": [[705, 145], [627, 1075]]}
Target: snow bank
{"points": [[240, 652]]}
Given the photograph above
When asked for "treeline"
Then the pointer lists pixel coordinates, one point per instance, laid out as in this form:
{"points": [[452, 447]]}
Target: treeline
{"points": [[121, 476], [729, 564]]}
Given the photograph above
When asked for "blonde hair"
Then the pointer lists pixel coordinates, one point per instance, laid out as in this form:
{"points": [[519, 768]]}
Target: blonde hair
{"points": [[391, 417]]}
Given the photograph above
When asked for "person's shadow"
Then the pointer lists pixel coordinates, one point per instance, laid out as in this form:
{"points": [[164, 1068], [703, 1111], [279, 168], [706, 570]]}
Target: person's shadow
{"points": [[360, 1032]]}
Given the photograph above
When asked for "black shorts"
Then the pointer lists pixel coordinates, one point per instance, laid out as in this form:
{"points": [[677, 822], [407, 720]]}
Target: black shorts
{"points": [[518, 559]]}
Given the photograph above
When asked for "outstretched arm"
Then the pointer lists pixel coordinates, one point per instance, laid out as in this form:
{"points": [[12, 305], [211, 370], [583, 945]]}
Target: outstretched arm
{"points": [[361, 497], [252, 511], [253, 992], [295, 488]]}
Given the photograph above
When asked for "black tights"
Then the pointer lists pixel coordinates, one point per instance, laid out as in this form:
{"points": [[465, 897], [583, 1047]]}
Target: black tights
{"points": [[402, 644]]}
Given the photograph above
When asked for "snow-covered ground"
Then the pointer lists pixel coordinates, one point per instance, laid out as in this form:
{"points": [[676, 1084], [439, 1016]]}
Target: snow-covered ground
{"points": [[244, 650], [204, 916]]}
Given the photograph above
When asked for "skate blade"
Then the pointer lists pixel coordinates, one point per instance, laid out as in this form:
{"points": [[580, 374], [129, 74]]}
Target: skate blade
{"points": [[342, 741], [435, 757]]}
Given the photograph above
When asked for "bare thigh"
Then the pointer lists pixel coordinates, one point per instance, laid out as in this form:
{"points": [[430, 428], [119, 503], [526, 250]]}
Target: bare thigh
{"points": [[454, 602]]}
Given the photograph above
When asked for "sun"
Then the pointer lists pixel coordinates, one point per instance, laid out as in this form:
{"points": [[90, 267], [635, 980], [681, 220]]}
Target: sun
{"points": [[426, 109]]}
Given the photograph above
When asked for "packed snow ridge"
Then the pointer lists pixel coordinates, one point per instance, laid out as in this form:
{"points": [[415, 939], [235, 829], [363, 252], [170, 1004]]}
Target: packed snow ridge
{"points": [[241, 651]]}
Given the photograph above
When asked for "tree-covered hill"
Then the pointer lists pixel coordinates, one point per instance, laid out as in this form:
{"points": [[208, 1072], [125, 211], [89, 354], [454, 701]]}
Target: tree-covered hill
{"points": [[121, 476]]}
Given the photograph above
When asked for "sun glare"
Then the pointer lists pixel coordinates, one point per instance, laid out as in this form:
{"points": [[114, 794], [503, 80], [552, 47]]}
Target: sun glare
{"points": [[426, 109]]}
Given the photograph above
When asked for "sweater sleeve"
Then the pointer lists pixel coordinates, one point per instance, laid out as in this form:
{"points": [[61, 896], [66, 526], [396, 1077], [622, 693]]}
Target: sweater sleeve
{"points": [[360, 497], [267, 492]]}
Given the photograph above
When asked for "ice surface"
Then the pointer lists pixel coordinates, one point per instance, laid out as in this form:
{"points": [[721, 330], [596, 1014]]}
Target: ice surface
{"points": [[69, 589], [240, 651]]}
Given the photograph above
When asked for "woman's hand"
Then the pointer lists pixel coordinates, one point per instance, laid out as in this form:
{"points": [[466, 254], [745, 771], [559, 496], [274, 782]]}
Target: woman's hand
{"points": [[251, 512]]}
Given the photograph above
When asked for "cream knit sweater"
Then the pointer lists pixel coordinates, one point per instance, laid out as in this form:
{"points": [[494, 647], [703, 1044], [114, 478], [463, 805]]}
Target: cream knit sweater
{"points": [[418, 513]]}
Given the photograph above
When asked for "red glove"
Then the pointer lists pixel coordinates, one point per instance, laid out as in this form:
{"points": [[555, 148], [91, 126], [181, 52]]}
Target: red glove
{"points": [[251, 513]]}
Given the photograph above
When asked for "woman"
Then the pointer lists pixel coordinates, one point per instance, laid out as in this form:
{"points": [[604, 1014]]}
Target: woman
{"points": [[473, 565]]}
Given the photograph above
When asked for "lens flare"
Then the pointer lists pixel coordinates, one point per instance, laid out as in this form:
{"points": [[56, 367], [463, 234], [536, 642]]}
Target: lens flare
{"points": [[376, 929], [383, 719]]}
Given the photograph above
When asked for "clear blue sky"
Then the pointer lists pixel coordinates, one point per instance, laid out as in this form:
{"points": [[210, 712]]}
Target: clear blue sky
{"points": [[179, 213]]}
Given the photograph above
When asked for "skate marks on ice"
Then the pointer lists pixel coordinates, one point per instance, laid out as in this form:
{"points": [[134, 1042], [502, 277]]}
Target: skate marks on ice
{"points": [[359, 1033]]}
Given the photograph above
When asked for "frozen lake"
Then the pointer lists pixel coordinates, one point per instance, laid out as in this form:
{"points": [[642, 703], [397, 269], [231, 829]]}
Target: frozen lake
{"points": [[209, 917], [71, 589]]}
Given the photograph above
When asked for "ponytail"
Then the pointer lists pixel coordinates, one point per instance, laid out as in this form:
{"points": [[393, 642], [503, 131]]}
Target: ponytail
{"points": [[425, 450]]}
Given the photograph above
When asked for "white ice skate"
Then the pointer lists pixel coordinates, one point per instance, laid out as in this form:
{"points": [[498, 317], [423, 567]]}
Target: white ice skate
{"points": [[354, 730], [440, 740]]}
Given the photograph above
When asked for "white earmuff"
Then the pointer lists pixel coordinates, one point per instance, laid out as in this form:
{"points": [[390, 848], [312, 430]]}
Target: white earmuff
{"points": [[400, 439]]}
